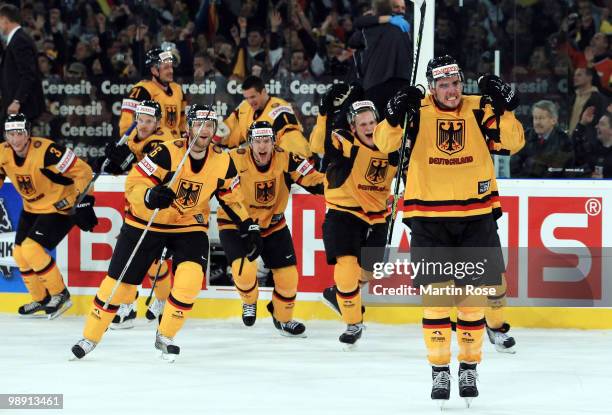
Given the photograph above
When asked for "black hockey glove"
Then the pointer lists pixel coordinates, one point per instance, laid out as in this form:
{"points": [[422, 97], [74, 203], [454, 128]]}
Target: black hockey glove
{"points": [[159, 196], [334, 98], [501, 93], [249, 231], [120, 158], [406, 102], [84, 216]]}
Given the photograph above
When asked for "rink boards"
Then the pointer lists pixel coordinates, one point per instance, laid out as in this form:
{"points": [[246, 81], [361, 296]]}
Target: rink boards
{"points": [[542, 220]]}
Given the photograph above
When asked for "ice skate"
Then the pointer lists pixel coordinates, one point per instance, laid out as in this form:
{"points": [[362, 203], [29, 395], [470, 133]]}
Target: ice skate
{"points": [[82, 348], [351, 335], [467, 382], [249, 314], [499, 337], [58, 304], [125, 317], [440, 388], [170, 351], [155, 310], [290, 328], [35, 309]]}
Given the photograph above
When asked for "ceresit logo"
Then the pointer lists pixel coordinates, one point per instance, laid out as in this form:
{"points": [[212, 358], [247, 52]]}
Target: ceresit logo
{"points": [[565, 240]]}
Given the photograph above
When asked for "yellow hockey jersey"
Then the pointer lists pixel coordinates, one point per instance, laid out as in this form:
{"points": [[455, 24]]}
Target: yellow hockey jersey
{"points": [[279, 113], [358, 178], [266, 191], [142, 147], [197, 182], [451, 173], [172, 104], [49, 178]]}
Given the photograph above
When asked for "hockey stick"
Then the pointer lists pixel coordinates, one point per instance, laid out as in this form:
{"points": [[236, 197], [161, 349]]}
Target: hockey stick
{"points": [[155, 212], [402, 149], [162, 258], [84, 193]]}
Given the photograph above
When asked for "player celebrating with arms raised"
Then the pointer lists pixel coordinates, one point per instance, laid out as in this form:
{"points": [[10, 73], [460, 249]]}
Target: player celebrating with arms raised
{"points": [[357, 187], [451, 203]]}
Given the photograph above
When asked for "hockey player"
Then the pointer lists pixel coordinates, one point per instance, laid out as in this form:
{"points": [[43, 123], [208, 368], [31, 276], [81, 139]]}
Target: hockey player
{"points": [[266, 175], [49, 178], [181, 226], [451, 201], [357, 186], [148, 134], [161, 88], [258, 105]]}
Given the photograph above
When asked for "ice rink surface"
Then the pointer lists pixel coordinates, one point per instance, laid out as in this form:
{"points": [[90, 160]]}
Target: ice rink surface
{"points": [[226, 368]]}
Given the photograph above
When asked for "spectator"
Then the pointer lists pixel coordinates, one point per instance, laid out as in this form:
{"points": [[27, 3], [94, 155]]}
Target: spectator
{"points": [[251, 51], [539, 64], [597, 56], [76, 72], [474, 45], [445, 37], [316, 58], [298, 66], [339, 60], [596, 157], [202, 67], [586, 25], [224, 56], [587, 95], [44, 67], [548, 149], [20, 83]]}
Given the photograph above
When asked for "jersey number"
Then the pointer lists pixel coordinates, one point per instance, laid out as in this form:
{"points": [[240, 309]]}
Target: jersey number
{"points": [[155, 150], [55, 152]]}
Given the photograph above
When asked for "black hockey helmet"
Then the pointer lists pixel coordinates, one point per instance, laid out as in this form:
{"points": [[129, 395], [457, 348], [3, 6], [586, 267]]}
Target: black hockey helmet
{"points": [[155, 56], [358, 107], [201, 112], [442, 67], [149, 107], [16, 122], [260, 129]]}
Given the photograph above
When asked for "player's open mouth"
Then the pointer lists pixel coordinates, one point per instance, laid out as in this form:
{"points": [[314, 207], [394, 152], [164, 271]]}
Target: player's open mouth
{"points": [[370, 135]]}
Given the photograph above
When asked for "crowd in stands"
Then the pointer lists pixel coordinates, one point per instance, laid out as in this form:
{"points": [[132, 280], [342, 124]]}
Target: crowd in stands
{"points": [[561, 44]]}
